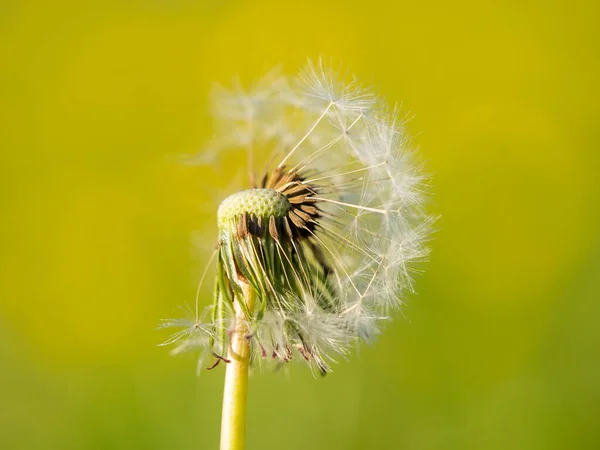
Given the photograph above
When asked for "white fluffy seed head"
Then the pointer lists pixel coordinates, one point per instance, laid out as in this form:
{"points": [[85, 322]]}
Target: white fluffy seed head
{"points": [[354, 262]]}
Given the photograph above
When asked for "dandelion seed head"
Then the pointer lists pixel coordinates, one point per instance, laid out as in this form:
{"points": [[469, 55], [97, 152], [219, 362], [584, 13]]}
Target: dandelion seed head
{"points": [[328, 235]]}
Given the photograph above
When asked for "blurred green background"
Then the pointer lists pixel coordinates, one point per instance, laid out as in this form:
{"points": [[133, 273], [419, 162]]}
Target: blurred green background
{"points": [[499, 350]]}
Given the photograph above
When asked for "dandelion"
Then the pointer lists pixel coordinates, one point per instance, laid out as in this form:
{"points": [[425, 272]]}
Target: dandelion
{"points": [[318, 250]]}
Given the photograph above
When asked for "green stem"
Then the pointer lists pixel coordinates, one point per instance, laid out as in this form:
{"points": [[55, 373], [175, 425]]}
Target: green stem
{"points": [[233, 420]]}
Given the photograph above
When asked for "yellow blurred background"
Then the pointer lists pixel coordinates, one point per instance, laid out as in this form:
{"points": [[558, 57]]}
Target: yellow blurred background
{"points": [[499, 350]]}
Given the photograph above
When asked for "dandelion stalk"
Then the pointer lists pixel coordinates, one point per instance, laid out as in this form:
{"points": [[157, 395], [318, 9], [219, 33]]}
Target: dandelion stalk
{"points": [[233, 420]]}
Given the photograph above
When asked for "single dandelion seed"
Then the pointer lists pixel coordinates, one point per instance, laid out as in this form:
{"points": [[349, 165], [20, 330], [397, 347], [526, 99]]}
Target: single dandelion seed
{"points": [[319, 248]]}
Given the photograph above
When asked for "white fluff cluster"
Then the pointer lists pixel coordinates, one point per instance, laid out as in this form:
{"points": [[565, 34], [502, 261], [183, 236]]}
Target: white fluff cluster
{"points": [[369, 189]]}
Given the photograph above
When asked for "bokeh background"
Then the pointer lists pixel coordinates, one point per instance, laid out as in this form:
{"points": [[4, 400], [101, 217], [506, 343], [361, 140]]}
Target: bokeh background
{"points": [[499, 350]]}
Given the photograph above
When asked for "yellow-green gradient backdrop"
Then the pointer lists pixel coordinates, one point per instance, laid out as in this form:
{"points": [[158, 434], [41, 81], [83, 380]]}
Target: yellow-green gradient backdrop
{"points": [[499, 350]]}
